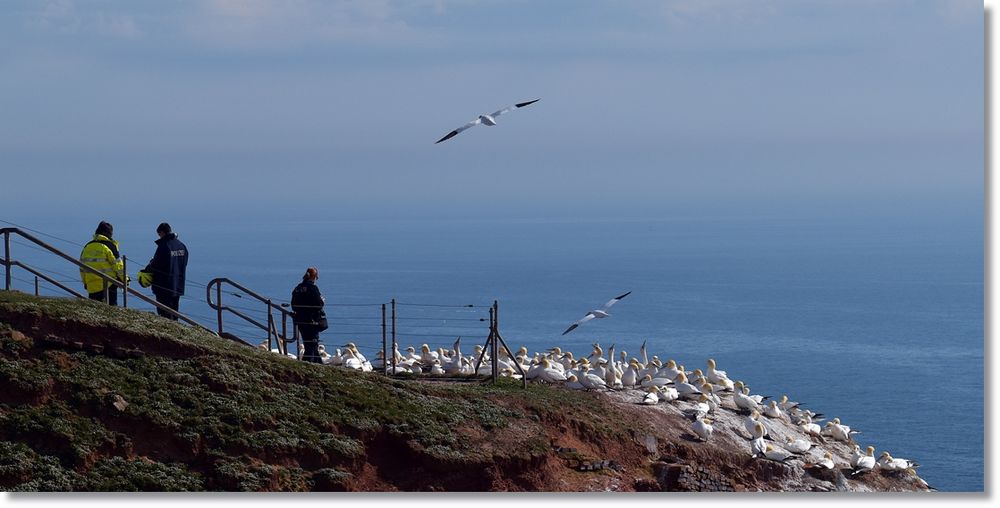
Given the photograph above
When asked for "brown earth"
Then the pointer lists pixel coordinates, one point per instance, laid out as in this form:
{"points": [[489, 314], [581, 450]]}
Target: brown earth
{"points": [[547, 439]]}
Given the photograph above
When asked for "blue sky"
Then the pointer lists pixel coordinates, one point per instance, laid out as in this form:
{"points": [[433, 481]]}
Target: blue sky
{"points": [[648, 108]]}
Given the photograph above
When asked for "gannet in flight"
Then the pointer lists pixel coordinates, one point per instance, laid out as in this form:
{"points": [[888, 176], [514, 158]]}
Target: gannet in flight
{"points": [[599, 314], [489, 119]]}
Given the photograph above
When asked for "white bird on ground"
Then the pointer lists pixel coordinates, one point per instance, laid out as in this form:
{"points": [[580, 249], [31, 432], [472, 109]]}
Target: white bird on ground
{"points": [[813, 430], [888, 462], [703, 427], [786, 405], [611, 373], [709, 389], [742, 401], [591, 381], [550, 374], [454, 364], [436, 369], [754, 427], [717, 376], [825, 463], [863, 462], [631, 375], [797, 445], [599, 313], [652, 396], [777, 454], [772, 411], [840, 432], [707, 404], [668, 394], [648, 381], [351, 361], [669, 371], [426, 355], [489, 120], [573, 383], [757, 447], [685, 389]]}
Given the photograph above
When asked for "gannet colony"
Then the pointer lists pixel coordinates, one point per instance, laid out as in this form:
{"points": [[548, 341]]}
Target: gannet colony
{"points": [[718, 407]]}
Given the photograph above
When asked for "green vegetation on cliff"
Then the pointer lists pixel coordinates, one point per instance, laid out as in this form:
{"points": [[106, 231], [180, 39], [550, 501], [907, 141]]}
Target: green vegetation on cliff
{"points": [[107, 399]]}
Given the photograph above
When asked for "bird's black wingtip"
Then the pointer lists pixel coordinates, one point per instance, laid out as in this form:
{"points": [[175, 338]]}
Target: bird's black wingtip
{"points": [[623, 296], [523, 104], [447, 136]]}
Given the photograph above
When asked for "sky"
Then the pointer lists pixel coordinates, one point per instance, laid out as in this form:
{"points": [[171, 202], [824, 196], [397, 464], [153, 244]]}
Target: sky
{"points": [[330, 109]]}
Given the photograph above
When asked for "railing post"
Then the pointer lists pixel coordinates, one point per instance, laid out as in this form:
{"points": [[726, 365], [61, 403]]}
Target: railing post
{"points": [[36, 285], [270, 323], [385, 357], [107, 292], [284, 332], [394, 345], [218, 302], [6, 256], [125, 287]]}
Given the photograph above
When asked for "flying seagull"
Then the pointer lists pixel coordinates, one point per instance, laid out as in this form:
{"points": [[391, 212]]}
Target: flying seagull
{"points": [[600, 314], [485, 119]]}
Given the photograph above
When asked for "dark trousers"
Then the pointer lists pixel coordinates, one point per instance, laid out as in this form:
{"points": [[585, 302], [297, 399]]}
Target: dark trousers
{"points": [[172, 301], [310, 343], [112, 296]]}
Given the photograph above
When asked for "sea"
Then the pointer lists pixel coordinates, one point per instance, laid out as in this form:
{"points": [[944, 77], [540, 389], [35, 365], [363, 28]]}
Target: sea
{"points": [[877, 321]]}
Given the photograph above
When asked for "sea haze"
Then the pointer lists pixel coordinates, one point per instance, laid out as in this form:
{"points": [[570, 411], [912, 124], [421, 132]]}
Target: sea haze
{"points": [[876, 321]]}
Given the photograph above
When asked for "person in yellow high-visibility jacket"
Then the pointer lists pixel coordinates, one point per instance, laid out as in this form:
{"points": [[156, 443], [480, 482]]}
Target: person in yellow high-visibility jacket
{"points": [[102, 254]]}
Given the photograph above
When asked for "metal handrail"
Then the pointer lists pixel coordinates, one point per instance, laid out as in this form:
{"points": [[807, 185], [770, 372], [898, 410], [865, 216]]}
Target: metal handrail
{"points": [[270, 327], [9, 264]]}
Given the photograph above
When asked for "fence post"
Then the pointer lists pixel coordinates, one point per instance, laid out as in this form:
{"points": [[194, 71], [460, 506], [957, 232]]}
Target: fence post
{"points": [[107, 291], [494, 357], [125, 282], [394, 345], [385, 357], [36, 285], [6, 256]]}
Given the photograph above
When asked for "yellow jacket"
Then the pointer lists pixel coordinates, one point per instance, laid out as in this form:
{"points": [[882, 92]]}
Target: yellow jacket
{"points": [[99, 256]]}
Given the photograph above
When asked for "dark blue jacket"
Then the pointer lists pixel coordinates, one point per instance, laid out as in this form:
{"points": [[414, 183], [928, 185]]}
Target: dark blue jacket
{"points": [[307, 303], [168, 266]]}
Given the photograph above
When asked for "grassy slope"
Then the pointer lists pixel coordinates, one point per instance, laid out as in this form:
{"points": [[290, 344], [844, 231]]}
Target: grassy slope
{"points": [[99, 398]]}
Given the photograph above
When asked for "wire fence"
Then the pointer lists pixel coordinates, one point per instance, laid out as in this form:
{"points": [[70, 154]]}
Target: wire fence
{"points": [[366, 325]]}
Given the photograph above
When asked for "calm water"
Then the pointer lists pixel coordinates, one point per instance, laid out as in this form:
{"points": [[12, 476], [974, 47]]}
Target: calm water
{"points": [[879, 323]]}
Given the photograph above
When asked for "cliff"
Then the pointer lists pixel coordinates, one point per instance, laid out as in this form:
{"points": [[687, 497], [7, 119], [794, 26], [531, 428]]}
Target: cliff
{"points": [[104, 399]]}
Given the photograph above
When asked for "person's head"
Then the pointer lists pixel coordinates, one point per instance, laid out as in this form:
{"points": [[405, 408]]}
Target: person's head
{"points": [[163, 229], [311, 274], [105, 229]]}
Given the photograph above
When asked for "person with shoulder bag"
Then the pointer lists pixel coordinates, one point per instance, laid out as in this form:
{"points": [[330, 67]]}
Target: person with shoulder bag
{"points": [[310, 318]]}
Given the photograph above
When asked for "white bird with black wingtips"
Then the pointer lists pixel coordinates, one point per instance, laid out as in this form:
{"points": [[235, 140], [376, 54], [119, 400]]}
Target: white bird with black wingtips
{"points": [[488, 120], [599, 313]]}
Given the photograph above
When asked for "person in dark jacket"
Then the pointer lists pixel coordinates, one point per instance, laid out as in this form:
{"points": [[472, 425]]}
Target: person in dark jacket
{"points": [[307, 304], [168, 266]]}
